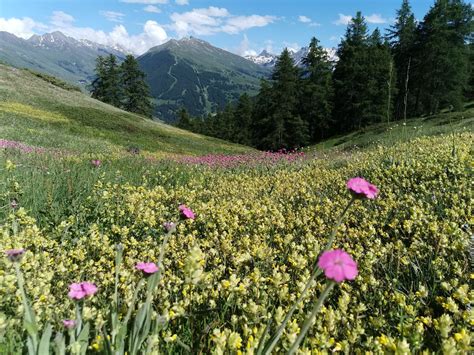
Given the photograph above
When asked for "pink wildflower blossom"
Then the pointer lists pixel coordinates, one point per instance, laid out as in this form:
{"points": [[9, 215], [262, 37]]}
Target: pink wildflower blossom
{"points": [[338, 265], [361, 188], [78, 291], [186, 212], [69, 323], [147, 268], [96, 163], [169, 226], [14, 254]]}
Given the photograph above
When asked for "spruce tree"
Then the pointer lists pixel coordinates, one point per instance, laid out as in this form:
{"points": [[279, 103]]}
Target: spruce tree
{"points": [[351, 100], [401, 36], [243, 120], [317, 91], [287, 129], [135, 90], [111, 83], [184, 120], [443, 71], [98, 84]]}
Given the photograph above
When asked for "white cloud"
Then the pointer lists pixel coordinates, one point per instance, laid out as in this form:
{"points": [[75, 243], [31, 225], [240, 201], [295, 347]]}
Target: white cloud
{"points": [[304, 19], [292, 46], [343, 19], [376, 19], [146, 2], [308, 21], [211, 20], [61, 19], [182, 2], [113, 16], [152, 8], [24, 27], [244, 48]]}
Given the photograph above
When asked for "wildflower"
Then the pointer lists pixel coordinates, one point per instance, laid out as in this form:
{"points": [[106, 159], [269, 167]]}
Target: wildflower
{"points": [[361, 188], [69, 323], [78, 291], [338, 265], [96, 163], [147, 268], [14, 204], [14, 254], [169, 226], [186, 212]]}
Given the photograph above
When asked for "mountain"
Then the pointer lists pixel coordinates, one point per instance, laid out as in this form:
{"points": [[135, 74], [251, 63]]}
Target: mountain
{"points": [[192, 73], [268, 60], [54, 54]]}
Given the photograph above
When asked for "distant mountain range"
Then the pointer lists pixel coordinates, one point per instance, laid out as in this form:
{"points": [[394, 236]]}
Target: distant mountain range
{"points": [[192, 73], [55, 54], [269, 60], [189, 73]]}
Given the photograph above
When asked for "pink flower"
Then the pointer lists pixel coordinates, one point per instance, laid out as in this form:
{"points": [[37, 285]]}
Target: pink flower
{"points": [[361, 188], [14, 254], [96, 163], [186, 212], [338, 265], [69, 323], [147, 268], [169, 226], [78, 291]]}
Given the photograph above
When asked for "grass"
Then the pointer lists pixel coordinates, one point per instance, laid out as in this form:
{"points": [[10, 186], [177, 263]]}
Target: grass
{"points": [[39, 113], [395, 132]]}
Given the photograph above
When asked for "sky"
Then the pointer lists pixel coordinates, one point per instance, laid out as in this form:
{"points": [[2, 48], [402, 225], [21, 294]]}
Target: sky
{"points": [[245, 27]]}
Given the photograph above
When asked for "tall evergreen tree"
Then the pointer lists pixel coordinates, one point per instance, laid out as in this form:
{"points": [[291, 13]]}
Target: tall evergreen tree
{"points": [[351, 104], [402, 41], [184, 120], [243, 120], [287, 129], [443, 73], [317, 91], [106, 86], [136, 92]]}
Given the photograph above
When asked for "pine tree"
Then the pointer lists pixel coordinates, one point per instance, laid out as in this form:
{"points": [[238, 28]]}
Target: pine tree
{"points": [[261, 117], [402, 41], [287, 129], [443, 55], [243, 120], [351, 101], [106, 86], [98, 84], [317, 91], [136, 92], [184, 120], [112, 87]]}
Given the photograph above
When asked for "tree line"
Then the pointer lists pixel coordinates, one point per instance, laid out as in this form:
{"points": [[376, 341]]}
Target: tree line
{"points": [[122, 85], [414, 69]]}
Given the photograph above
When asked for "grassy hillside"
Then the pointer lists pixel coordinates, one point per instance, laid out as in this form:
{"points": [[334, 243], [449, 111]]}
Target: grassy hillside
{"points": [[38, 113], [396, 132]]}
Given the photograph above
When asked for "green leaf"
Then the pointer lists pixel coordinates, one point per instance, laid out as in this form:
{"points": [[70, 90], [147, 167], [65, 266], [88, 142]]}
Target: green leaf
{"points": [[45, 340]]}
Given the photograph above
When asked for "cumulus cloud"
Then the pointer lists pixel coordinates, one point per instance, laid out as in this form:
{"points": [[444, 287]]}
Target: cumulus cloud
{"points": [[21, 27], [113, 16], [343, 19], [304, 19], [182, 2], [146, 2], [211, 20], [152, 8], [376, 19]]}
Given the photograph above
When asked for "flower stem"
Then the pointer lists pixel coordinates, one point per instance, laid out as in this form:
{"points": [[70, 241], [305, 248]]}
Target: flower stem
{"points": [[315, 273], [309, 320]]}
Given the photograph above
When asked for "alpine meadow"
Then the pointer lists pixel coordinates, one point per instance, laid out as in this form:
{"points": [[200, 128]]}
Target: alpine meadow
{"points": [[170, 185]]}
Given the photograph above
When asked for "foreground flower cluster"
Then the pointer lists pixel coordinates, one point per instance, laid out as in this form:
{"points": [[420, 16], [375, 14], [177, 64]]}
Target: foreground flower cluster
{"points": [[235, 271]]}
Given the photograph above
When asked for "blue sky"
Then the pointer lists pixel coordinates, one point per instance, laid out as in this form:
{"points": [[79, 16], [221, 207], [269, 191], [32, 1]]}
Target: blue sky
{"points": [[243, 26]]}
